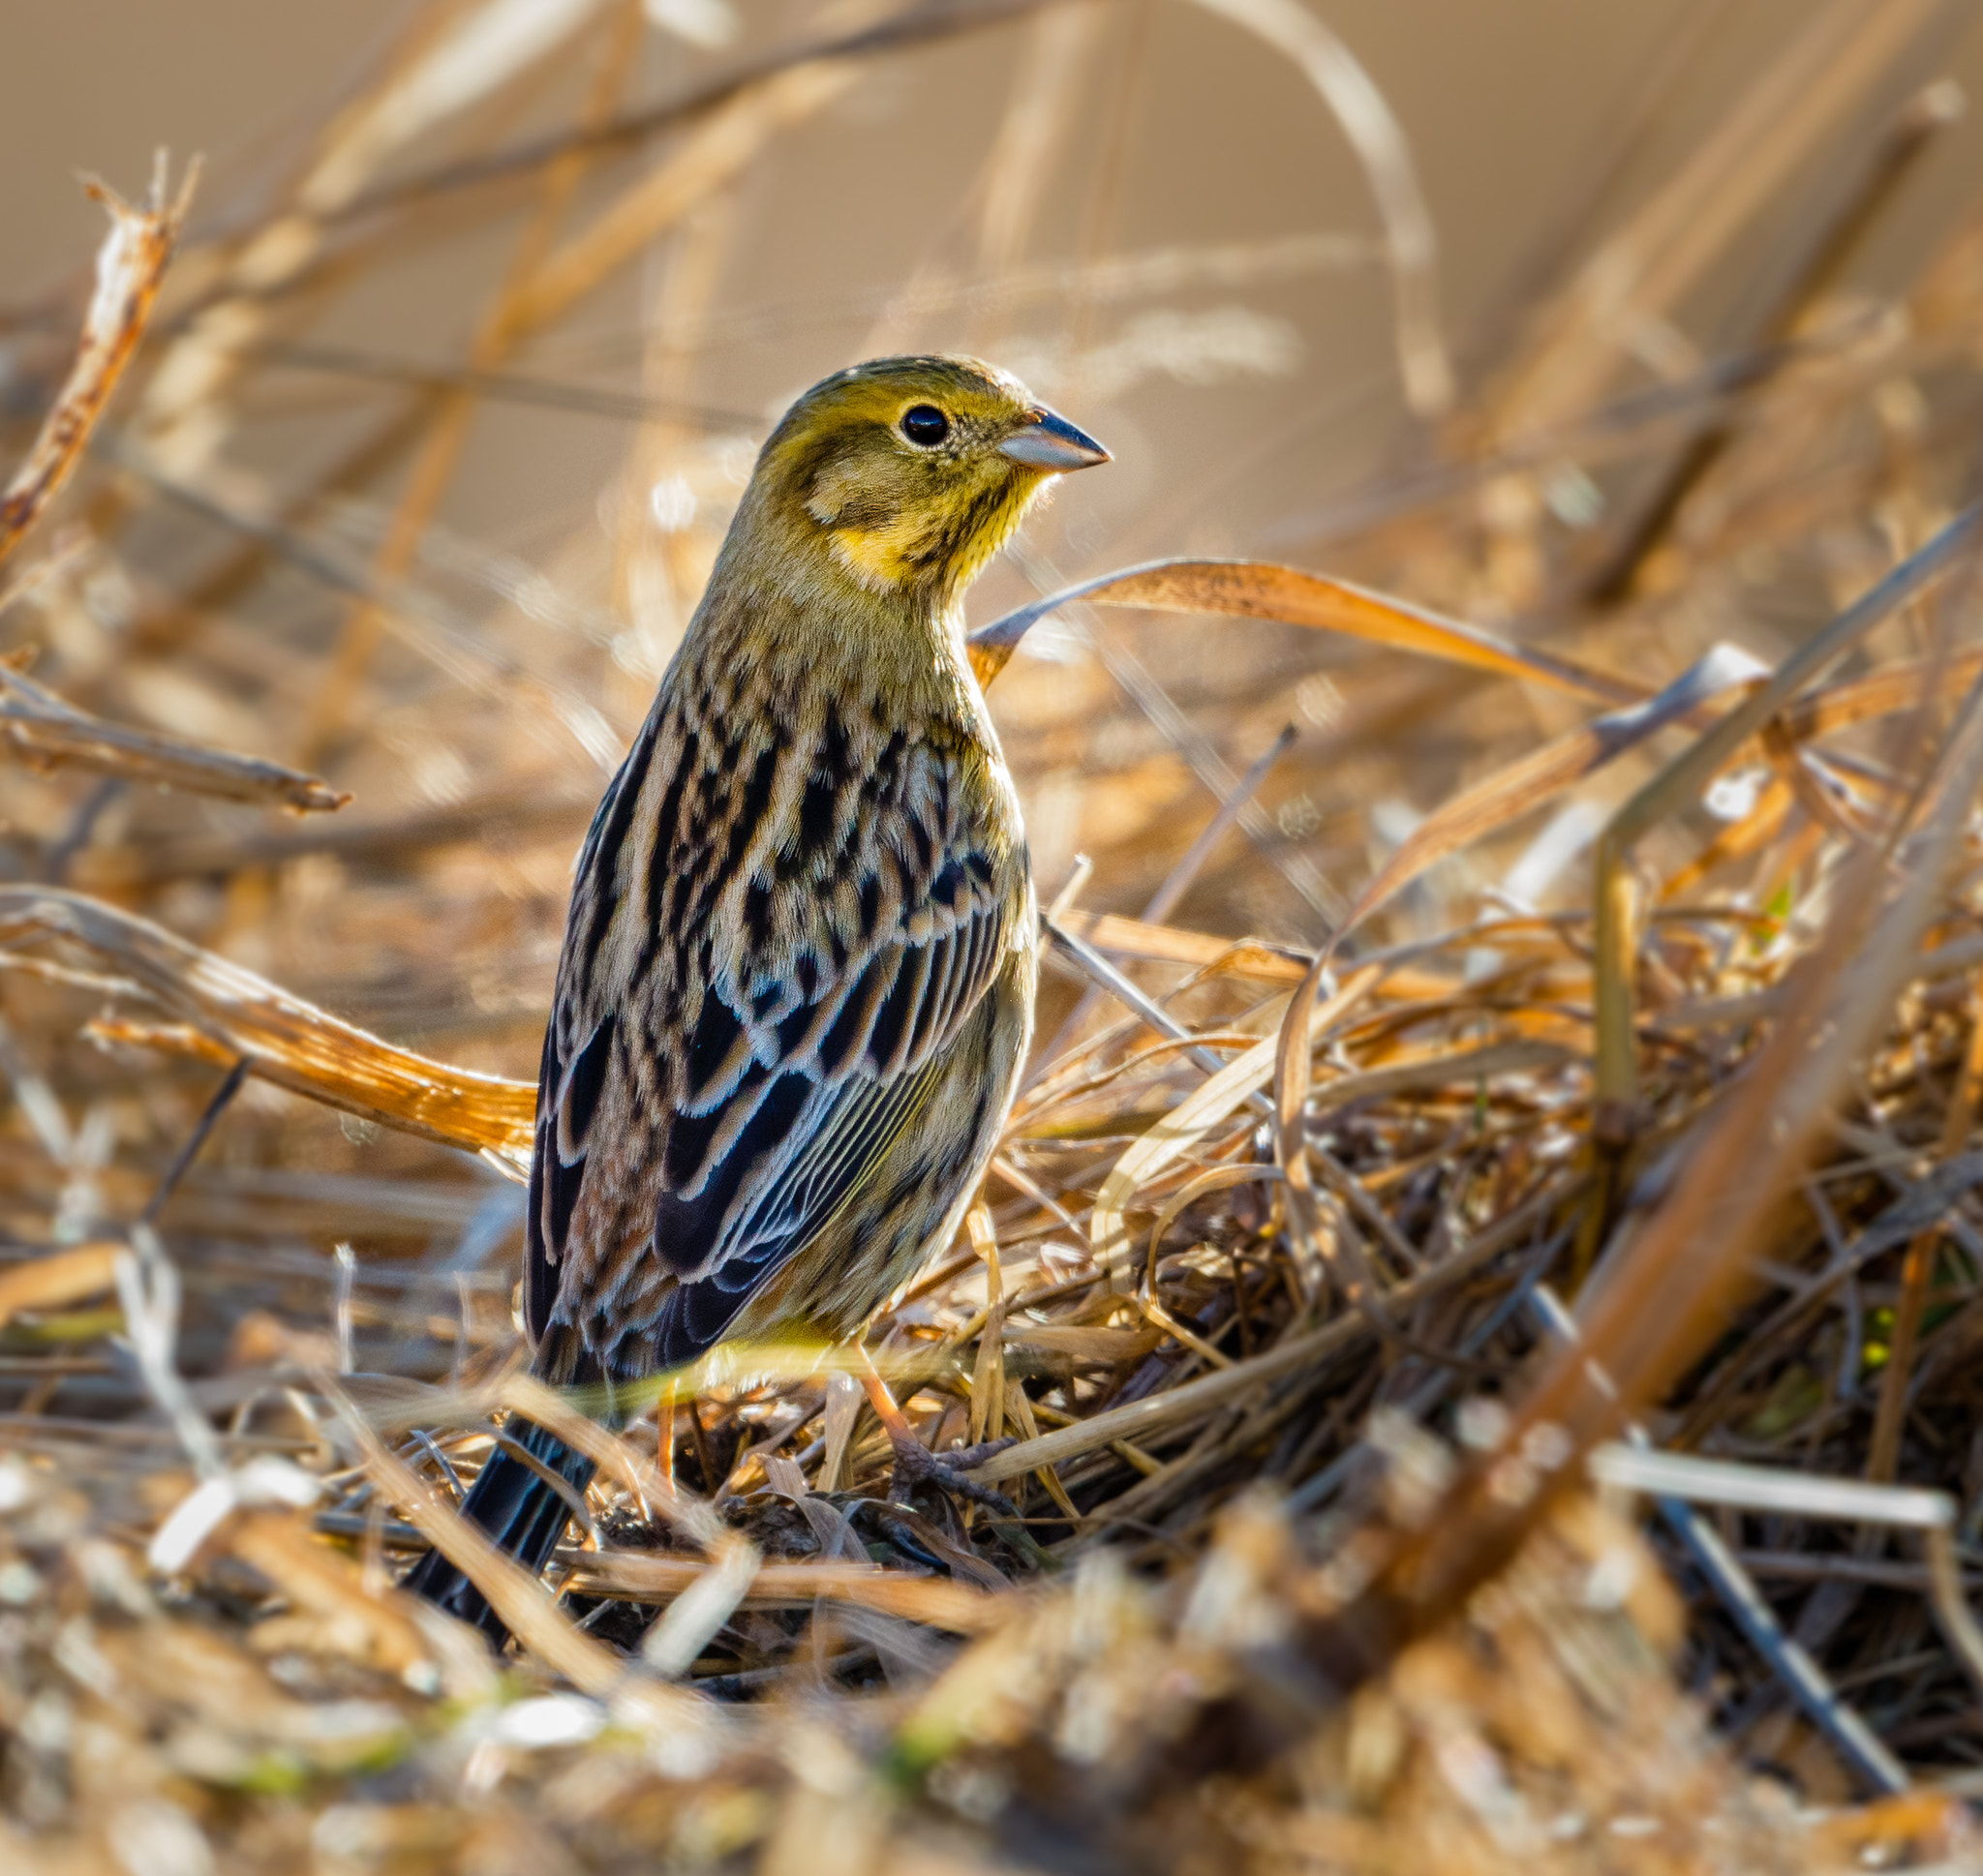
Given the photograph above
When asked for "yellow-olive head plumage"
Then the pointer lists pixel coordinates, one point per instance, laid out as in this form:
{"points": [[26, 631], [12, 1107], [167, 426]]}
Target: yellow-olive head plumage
{"points": [[909, 473]]}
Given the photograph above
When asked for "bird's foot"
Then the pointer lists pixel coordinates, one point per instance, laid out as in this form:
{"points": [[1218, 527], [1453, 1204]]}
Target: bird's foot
{"points": [[916, 1465]]}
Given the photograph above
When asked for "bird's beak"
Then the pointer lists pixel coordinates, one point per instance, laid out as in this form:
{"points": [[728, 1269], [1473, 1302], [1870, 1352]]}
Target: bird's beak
{"points": [[1047, 440]]}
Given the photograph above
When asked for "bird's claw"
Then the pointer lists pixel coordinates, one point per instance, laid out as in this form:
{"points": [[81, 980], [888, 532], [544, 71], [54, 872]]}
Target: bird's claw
{"points": [[916, 1465]]}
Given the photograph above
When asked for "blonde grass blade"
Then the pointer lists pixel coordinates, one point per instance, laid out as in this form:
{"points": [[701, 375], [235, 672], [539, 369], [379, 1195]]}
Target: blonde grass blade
{"points": [[1446, 1069], [643, 1576], [447, 59], [482, 49], [1155, 944], [229, 1013], [1319, 1251], [1754, 830], [1212, 1179], [1764, 1489], [927, 23], [1539, 777], [58, 1279], [712, 156], [1052, 81], [1173, 1137], [323, 1587], [988, 1375], [495, 337], [688, 1514], [1020, 1408], [655, 581], [1179, 1131], [131, 267], [1859, 700], [1378, 138], [1293, 1069], [1232, 811], [1879, 693], [1259, 589], [691, 1622], [527, 1609], [1177, 1406]]}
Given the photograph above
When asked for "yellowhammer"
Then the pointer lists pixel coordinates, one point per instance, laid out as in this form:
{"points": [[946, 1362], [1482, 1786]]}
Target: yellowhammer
{"points": [[799, 965]]}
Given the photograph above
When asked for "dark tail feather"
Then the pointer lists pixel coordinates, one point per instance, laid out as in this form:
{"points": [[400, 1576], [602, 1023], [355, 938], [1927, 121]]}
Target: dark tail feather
{"points": [[524, 1514]]}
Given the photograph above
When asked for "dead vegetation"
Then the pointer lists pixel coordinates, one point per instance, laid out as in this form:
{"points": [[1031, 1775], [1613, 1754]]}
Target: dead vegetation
{"points": [[1375, 1173]]}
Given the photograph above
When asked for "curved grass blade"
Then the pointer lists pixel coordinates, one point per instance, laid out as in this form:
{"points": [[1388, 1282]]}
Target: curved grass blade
{"points": [[229, 1013], [1544, 773], [1259, 589]]}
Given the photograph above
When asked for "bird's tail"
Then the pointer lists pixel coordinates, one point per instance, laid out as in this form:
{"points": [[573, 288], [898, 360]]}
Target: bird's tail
{"points": [[523, 1513]]}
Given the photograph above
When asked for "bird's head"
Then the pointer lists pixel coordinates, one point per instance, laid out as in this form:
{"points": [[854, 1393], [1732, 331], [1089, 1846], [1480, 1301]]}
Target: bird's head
{"points": [[911, 474]]}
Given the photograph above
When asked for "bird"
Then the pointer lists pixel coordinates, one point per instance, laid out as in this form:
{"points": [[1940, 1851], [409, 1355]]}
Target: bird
{"points": [[795, 988]]}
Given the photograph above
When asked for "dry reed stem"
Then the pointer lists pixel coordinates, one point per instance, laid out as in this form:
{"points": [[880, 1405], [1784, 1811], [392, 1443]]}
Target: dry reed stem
{"points": [[131, 267], [47, 733], [517, 1597]]}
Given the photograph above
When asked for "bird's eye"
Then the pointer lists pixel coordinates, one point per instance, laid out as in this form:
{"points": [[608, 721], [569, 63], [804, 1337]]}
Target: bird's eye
{"points": [[924, 425]]}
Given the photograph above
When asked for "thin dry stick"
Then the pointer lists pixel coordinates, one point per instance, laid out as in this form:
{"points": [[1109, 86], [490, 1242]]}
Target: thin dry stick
{"points": [[931, 21], [526, 1607], [449, 56], [1051, 81], [1178, 1406], [130, 267], [641, 1576], [48, 733], [656, 573], [1789, 1661], [711, 157], [1379, 140], [1538, 778]]}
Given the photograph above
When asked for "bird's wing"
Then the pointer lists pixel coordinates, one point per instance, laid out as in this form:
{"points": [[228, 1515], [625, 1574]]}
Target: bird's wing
{"points": [[803, 946]]}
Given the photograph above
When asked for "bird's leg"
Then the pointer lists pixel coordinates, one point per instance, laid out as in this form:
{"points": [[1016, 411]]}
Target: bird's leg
{"points": [[914, 1462]]}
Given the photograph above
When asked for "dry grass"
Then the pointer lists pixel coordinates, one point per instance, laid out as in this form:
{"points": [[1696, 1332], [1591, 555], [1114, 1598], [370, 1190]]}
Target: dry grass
{"points": [[1668, 1011]]}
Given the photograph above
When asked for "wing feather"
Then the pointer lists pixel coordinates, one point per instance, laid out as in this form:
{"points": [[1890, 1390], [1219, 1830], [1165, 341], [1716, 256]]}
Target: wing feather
{"points": [[763, 1056]]}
